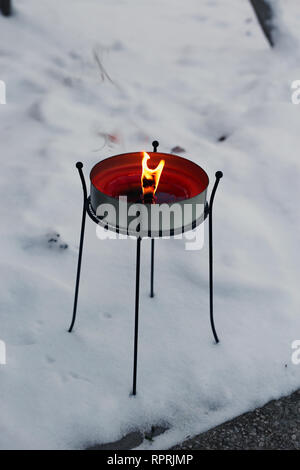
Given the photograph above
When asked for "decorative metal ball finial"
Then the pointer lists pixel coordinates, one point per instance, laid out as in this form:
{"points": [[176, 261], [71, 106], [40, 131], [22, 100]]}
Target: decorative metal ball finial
{"points": [[155, 144]]}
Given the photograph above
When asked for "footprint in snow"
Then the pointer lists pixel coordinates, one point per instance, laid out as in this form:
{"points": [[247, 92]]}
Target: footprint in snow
{"points": [[54, 241], [51, 240]]}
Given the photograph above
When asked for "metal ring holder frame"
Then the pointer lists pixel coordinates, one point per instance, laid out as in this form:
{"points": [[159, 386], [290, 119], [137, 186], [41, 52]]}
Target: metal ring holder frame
{"points": [[88, 209]]}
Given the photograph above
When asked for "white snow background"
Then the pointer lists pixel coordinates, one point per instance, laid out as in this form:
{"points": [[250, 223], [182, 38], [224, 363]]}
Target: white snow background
{"points": [[184, 73]]}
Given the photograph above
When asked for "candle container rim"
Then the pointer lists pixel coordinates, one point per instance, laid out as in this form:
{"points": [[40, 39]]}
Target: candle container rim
{"points": [[157, 155]]}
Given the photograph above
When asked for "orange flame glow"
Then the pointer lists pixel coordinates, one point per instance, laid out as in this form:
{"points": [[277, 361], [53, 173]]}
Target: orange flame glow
{"points": [[150, 178]]}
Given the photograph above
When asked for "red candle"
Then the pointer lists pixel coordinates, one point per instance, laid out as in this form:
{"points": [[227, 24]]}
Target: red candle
{"points": [[121, 176]]}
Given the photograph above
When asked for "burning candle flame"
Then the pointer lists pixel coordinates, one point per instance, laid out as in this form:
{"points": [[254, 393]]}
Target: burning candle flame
{"points": [[150, 178]]}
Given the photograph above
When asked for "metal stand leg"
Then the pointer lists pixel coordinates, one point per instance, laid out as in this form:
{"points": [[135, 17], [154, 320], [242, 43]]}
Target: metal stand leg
{"points": [[155, 144], [79, 166], [136, 325], [219, 175], [152, 269]]}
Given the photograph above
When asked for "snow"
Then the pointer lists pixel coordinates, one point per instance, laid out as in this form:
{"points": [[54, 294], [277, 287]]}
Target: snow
{"points": [[185, 73]]}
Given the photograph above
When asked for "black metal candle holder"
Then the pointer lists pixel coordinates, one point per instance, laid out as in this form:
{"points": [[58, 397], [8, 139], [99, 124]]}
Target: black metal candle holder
{"points": [[87, 209]]}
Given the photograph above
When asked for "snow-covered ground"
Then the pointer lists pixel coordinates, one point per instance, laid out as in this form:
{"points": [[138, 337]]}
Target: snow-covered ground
{"points": [[184, 73]]}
